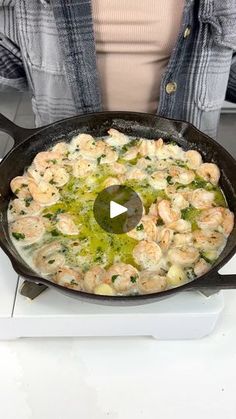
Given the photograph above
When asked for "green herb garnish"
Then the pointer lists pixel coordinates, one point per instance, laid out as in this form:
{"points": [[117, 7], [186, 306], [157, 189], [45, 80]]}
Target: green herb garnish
{"points": [[133, 279], [140, 227], [55, 233], [113, 278], [51, 261], [18, 236]]}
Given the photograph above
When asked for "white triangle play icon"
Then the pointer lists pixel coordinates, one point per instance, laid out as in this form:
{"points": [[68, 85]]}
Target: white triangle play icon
{"points": [[116, 209]]}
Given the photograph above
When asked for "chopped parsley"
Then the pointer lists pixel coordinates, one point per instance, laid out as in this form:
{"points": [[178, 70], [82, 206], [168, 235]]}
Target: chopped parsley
{"points": [[148, 158], [73, 282], [113, 278], [134, 278], [28, 201], [99, 158], [18, 236], [51, 261], [55, 233], [49, 216], [17, 191], [169, 180], [140, 227]]}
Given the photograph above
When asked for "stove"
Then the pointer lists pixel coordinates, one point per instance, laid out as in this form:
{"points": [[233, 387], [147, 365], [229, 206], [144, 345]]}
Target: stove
{"points": [[187, 315]]}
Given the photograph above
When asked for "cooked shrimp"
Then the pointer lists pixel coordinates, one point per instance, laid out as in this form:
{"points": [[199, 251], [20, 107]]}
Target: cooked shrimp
{"points": [[178, 201], [201, 267], [135, 174], [150, 282], [118, 168], [20, 187], [27, 230], [228, 221], [88, 147], [210, 219], [193, 159], [131, 154], [145, 230], [184, 239], [208, 240], [81, 141], [66, 225], [157, 180], [94, 277], [209, 172], [116, 138], [61, 148], [21, 207], [69, 278], [122, 276], [165, 238], [183, 256], [181, 226], [201, 199], [181, 175], [56, 175], [147, 254], [108, 156], [167, 213], [143, 163], [49, 258], [46, 159], [111, 181], [147, 147], [44, 193], [153, 211], [83, 167]]}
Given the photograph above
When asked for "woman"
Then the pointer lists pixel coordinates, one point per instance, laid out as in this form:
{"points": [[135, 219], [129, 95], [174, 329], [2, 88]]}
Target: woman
{"points": [[171, 57]]}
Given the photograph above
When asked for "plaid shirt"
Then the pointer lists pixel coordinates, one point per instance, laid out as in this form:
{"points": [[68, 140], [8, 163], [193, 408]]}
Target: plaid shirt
{"points": [[50, 46]]}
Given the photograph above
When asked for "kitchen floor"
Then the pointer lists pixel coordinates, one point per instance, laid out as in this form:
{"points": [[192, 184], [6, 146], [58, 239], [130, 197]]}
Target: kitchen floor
{"points": [[17, 107]]}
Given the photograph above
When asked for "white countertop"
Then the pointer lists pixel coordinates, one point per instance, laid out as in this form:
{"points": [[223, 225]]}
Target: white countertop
{"points": [[121, 378]]}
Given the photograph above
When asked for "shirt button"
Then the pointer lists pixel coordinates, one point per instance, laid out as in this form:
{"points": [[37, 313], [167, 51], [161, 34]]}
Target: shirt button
{"points": [[187, 32], [171, 87]]}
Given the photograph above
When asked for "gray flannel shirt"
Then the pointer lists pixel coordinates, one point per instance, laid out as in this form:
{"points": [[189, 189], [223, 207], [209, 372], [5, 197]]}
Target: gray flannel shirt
{"points": [[49, 46]]}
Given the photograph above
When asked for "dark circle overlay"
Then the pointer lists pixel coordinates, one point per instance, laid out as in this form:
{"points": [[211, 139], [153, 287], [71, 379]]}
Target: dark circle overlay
{"points": [[122, 195]]}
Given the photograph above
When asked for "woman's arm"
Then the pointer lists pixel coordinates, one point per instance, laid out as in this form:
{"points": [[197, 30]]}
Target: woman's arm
{"points": [[231, 90]]}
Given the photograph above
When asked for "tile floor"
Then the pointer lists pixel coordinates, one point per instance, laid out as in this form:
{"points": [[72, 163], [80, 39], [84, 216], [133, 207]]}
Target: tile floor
{"points": [[17, 107]]}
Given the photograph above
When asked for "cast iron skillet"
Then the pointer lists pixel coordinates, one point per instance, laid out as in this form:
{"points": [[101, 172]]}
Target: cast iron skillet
{"points": [[28, 142]]}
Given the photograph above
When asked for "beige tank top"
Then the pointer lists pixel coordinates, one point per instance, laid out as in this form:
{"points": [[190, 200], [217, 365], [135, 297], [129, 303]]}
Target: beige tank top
{"points": [[134, 41]]}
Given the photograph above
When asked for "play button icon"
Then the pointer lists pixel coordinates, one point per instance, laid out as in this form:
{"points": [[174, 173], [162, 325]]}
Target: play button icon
{"points": [[118, 209]]}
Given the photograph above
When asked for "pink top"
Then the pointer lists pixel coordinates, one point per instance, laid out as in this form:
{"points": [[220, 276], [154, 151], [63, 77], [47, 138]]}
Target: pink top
{"points": [[134, 41]]}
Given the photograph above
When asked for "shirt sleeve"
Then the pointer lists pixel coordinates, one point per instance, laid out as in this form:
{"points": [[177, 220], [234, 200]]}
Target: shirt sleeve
{"points": [[231, 90]]}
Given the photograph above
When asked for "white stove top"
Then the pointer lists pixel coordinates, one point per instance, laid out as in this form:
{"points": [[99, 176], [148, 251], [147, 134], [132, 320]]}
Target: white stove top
{"points": [[186, 315]]}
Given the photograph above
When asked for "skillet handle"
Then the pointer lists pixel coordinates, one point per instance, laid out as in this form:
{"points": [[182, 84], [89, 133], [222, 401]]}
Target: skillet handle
{"points": [[215, 281], [19, 134]]}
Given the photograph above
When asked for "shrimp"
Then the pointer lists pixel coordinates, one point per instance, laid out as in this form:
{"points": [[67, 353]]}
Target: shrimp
{"points": [[20, 187], [27, 230], [49, 258], [184, 239], [20, 207], [147, 254], [228, 221], [209, 172], [210, 219], [111, 181], [118, 169], [145, 230], [193, 159], [157, 180], [201, 267], [135, 174], [69, 278], [167, 213], [46, 159], [201, 199], [153, 211], [181, 175], [123, 277], [66, 225], [131, 154], [88, 147], [150, 282], [147, 148], [108, 156], [116, 138], [165, 238], [44, 193], [83, 167], [94, 277], [178, 201], [143, 163], [181, 226], [183, 256], [81, 141], [61, 148], [57, 176], [208, 240]]}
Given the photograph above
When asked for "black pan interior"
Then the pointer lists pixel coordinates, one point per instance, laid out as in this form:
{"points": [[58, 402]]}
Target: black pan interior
{"points": [[134, 124]]}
